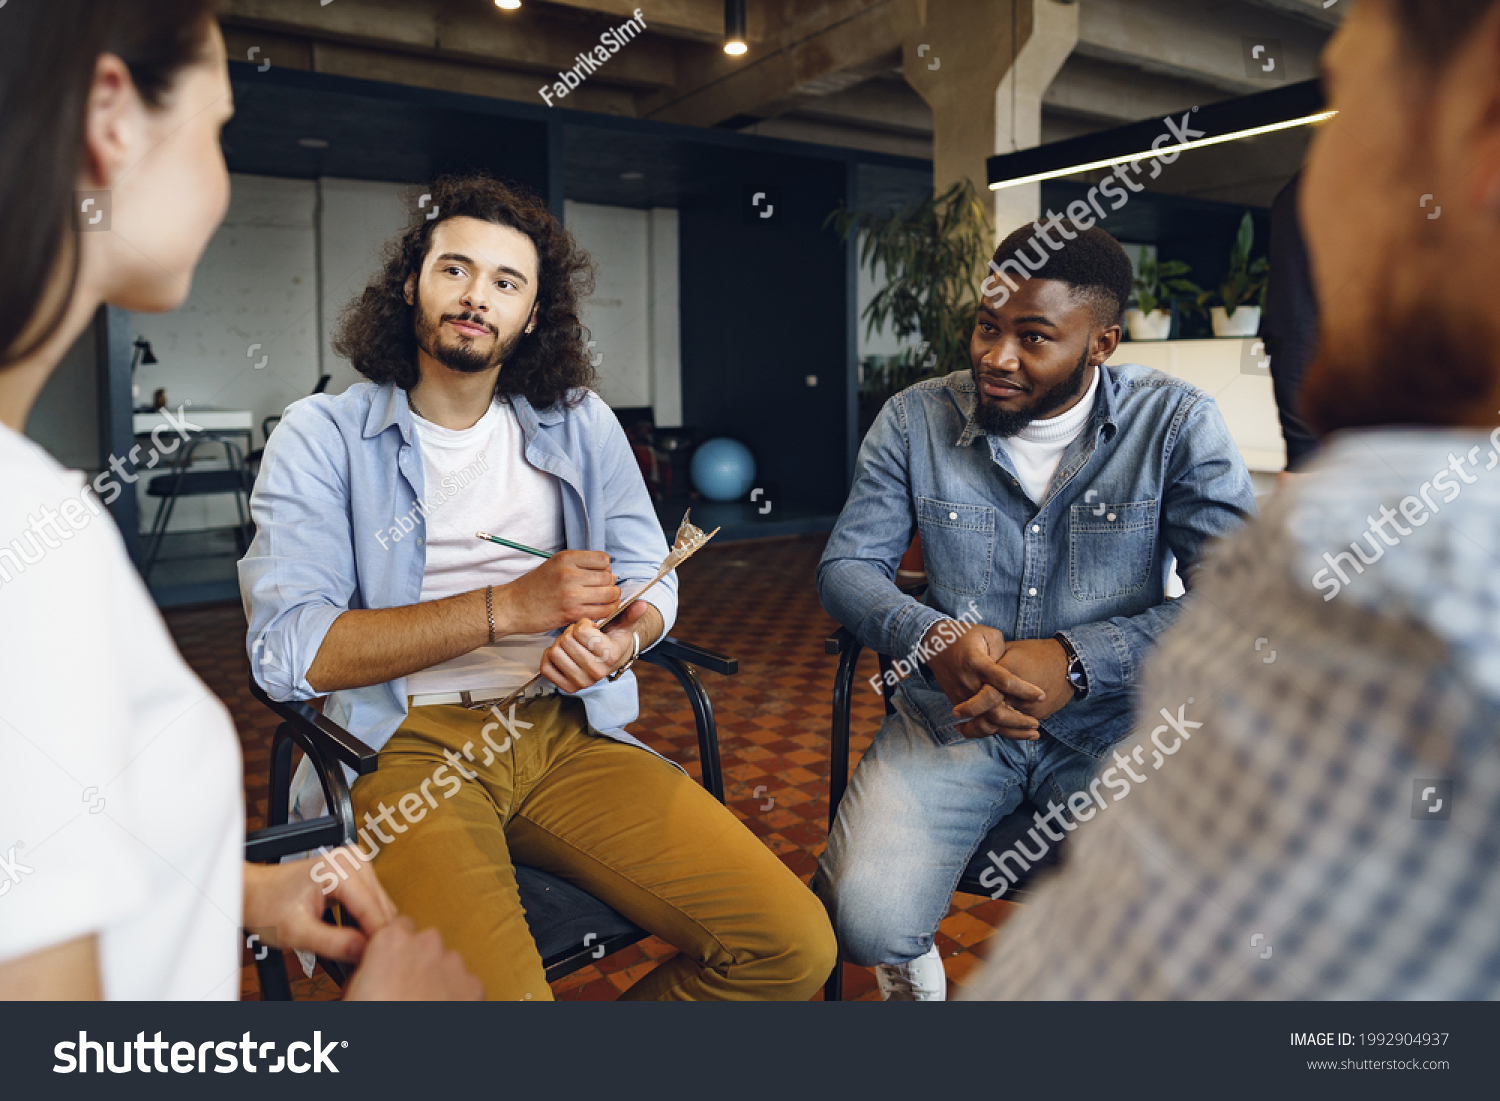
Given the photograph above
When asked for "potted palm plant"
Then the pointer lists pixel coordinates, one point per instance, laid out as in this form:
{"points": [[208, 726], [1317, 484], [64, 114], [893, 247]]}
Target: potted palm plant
{"points": [[1157, 287], [933, 255], [1241, 296]]}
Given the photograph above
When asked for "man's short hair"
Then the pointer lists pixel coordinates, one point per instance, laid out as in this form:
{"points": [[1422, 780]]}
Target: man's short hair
{"points": [[1093, 264]]}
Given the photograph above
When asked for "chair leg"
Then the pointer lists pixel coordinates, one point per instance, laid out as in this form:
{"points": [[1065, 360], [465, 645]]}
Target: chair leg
{"points": [[833, 989], [271, 970], [838, 751], [158, 532], [703, 716], [838, 776], [279, 801], [242, 506]]}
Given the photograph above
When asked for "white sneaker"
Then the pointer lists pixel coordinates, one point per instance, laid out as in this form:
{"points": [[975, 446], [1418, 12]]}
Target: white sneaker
{"points": [[918, 980]]}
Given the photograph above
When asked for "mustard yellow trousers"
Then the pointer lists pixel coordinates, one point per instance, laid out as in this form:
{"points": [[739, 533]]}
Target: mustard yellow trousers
{"points": [[460, 798]]}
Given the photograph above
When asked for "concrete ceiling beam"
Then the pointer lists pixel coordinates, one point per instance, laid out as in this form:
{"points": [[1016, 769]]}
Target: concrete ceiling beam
{"points": [[853, 37], [531, 41], [1117, 94], [1203, 42], [1310, 11], [695, 20]]}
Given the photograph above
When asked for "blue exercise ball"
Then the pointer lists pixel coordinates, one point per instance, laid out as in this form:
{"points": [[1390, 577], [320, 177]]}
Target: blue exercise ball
{"points": [[723, 469]]}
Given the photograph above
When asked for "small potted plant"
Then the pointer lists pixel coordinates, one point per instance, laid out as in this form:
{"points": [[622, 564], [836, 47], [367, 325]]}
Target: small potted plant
{"points": [[1156, 287], [1242, 295]]}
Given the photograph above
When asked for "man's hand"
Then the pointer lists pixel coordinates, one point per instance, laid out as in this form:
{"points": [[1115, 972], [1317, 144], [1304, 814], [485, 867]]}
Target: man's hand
{"points": [[584, 655], [970, 673], [286, 900], [402, 964], [1044, 663], [569, 586]]}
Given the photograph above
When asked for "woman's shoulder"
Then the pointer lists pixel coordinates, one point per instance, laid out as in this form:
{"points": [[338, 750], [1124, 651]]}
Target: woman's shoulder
{"points": [[23, 459]]}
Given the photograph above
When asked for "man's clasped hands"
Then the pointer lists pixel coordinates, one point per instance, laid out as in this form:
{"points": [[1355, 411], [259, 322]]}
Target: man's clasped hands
{"points": [[999, 687]]}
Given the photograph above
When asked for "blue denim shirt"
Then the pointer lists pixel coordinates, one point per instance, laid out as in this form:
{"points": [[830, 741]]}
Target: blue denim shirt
{"points": [[339, 469], [1154, 475]]}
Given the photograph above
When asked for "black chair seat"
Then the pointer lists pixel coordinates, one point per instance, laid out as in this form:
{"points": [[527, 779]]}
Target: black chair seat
{"points": [[561, 916], [198, 483], [1010, 829]]}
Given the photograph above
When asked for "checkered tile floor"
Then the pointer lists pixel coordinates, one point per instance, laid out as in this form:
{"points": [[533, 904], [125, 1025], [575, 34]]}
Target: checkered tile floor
{"points": [[755, 601]]}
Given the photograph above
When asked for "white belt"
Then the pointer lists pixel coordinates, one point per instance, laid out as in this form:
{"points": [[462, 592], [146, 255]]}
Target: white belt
{"points": [[482, 697]]}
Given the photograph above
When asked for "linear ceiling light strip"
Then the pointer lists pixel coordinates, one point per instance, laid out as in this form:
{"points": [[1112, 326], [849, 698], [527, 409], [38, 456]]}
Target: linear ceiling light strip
{"points": [[1201, 143]]}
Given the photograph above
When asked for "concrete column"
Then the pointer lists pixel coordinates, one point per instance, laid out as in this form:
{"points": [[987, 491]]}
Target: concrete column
{"points": [[983, 67]]}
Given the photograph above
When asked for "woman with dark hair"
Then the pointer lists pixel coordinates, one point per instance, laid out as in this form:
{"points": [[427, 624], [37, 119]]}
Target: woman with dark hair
{"points": [[121, 811]]}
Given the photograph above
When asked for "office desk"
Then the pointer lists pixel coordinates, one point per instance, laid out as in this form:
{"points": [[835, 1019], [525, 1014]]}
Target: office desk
{"points": [[220, 422]]}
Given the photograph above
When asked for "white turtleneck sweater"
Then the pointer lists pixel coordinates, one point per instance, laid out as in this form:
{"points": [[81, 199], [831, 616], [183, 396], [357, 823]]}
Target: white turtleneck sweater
{"points": [[1036, 450]]}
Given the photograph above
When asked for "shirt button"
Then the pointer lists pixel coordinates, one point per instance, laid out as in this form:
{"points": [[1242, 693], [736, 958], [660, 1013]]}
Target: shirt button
{"points": [[953, 516], [1031, 592], [1036, 528], [1111, 516], [419, 540]]}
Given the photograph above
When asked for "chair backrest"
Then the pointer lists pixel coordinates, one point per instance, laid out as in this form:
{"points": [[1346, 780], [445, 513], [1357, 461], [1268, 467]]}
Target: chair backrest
{"points": [[232, 454], [268, 423]]}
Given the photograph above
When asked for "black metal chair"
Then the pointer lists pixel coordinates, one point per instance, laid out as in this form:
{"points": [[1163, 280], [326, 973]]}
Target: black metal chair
{"points": [[1003, 836], [181, 481], [571, 927]]}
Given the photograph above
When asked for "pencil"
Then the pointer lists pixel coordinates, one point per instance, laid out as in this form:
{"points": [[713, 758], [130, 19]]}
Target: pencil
{"points": [[513, 546]]}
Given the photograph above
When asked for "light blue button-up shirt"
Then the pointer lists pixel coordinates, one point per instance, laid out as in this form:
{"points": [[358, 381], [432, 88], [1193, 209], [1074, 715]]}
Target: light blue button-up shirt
{"points": [[340, 469], [1153, 476]]}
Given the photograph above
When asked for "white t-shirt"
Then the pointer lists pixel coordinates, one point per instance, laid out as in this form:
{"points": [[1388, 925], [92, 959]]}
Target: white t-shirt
{"points": [[1037, 449], [121, 808], [477, 479]]}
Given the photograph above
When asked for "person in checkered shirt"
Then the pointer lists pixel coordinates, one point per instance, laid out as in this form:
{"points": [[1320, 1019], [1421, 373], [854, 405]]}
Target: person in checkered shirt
{"points": [[1310, 804]]}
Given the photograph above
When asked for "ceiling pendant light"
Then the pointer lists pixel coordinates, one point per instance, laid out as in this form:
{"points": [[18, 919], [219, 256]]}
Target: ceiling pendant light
{"points": [[734, 27]]}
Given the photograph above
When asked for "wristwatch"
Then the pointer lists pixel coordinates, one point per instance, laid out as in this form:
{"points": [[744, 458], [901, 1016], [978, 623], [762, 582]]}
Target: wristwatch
{"points": [[1077, 676]]}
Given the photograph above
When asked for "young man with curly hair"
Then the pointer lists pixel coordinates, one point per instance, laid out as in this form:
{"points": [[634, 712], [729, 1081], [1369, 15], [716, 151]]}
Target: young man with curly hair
{"points": [[366, 580], [1052, 494]]}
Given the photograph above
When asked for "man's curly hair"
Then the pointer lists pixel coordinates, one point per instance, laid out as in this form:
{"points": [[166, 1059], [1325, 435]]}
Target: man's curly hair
{"points": [[377, 331]]}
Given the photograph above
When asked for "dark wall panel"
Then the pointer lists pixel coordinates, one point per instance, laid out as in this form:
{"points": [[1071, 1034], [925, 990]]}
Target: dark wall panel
{"points": [[764, 305]]}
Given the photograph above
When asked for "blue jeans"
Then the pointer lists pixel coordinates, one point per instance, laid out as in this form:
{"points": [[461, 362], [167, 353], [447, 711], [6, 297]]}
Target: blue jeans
{"points": [[913, 816]]}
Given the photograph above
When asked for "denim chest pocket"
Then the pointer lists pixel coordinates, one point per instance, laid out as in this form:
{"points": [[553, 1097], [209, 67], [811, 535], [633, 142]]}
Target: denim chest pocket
{"points": [[958, 544], [1110, 548]]}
